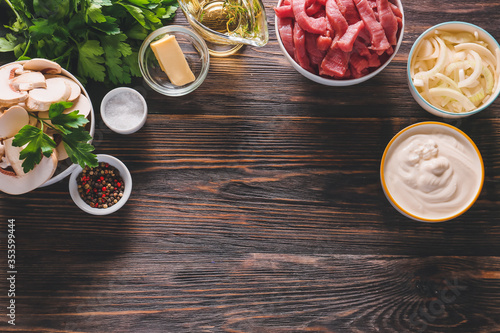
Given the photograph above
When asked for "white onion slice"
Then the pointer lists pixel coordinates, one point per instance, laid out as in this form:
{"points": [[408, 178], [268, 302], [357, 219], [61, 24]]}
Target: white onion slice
{"points": [[461, 77]]}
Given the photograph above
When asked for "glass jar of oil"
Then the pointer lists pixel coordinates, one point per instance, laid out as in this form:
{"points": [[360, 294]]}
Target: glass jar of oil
{"points": [[226, 25]]}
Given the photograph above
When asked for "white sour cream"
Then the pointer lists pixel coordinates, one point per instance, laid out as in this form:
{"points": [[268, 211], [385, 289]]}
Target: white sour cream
{"points": [[433, 172]]}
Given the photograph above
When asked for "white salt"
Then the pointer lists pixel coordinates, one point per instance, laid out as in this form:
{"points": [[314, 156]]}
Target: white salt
{"points": [[124, 110]]}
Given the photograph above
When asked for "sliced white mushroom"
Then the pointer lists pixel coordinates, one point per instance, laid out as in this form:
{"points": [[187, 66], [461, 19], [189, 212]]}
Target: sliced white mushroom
{"points": [[21, 70], [12, 183], [42, 65], [2, 149], [82, 104], [12, 154], [40, 99], [33, 122], [28, 81], [44, 115], [8, 96], [4, 163], [61, 152], [75, 87], [12, 120]]}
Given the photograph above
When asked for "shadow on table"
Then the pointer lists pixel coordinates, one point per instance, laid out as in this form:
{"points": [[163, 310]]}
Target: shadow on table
{"points": [[62, 254]]}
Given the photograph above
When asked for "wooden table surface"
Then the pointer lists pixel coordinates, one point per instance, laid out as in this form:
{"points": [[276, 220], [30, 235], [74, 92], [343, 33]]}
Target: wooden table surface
{"points": [[257, 207]]}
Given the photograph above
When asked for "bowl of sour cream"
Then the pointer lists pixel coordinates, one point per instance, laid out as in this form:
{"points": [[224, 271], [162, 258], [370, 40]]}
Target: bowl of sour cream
{"points": [[431, 172]]}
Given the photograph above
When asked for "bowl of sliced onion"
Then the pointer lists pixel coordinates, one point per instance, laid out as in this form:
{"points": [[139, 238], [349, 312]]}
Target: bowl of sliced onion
{"points": [[454, 69]]}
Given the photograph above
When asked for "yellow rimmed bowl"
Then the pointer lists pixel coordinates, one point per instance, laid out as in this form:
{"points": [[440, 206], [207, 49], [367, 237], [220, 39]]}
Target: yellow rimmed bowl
{"points": [[452, 27], [428, 185]]}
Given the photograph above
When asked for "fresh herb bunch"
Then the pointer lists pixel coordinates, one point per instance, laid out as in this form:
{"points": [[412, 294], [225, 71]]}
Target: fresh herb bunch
{"points": [[93, 39], [71, 128]]}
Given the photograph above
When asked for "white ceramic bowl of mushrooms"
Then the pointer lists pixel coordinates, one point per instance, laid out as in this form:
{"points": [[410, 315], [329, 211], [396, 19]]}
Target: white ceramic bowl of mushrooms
{"points": [[31, 87]]}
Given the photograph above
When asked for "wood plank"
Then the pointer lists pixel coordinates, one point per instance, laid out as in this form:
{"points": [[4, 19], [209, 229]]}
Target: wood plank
{"points": [[257, 207], [264, 292]]}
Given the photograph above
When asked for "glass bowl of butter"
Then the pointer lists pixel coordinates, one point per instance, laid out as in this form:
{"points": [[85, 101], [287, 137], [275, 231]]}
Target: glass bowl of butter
{"points": [[174, 60]]}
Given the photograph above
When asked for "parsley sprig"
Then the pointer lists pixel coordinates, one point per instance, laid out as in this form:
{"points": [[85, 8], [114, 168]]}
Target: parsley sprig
{"points": [[71, 128], [93, 39]]}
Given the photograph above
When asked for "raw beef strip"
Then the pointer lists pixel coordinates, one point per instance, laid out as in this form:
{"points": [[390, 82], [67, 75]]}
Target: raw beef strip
{"points": [[299, 42], [395, 9], [361, 48], [329, 27], [364, 35], [400, 23], [341, 7], [346, 42], [374, 60], [379, 41], [355, 74], [285, 28], [351, 13], [388, 21], [309, 24], [335, 17], [335, 62], [323, 42], [347, 74], [358, 62], [314, 8], [284, 11], [315, 55]]}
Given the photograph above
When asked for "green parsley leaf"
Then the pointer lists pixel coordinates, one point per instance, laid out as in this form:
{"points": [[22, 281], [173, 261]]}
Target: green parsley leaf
{"points": [[66, 121], [154, 21], [141, 3], [133, 64], [114, 49], [78, 26], [95, 14], [136, 13], [169, 12], [79, 151], [70, 126], [110, 27], [102, 22], [41, 29], [70, 120], [90, 60], [138, 32], [8, 43], [21, 6], [56, 109], [38, 142], [53, 9], [103, 2]]}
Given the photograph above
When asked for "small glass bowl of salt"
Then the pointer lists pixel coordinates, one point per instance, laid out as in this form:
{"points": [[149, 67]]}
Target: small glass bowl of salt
{"points": [[124, 110]]}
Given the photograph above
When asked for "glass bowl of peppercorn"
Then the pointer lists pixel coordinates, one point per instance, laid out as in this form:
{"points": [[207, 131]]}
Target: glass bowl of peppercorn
{"points": [[103, 189]]}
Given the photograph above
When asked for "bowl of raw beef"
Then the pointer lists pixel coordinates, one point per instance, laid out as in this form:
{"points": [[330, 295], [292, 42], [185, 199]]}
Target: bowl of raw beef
{"points": [[339, 42]]}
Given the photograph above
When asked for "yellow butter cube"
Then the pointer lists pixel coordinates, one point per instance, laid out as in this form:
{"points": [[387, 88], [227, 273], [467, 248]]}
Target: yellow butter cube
{"points": [[172, 61]]}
